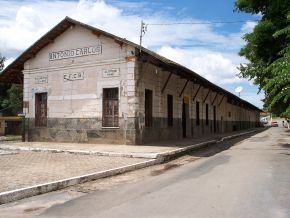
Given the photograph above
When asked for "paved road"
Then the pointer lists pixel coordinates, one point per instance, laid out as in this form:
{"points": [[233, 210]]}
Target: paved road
{"points": [[251, 179]]}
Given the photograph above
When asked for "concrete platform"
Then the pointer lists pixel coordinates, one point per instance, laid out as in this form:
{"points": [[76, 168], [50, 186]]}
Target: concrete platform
{"points": [[150, 151], [54, 166]]}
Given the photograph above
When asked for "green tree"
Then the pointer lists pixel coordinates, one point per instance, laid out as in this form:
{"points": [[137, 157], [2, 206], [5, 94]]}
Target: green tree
{"points": [[278, 87], [11, 96], [13, 101], [267, 49], [2, 60]]}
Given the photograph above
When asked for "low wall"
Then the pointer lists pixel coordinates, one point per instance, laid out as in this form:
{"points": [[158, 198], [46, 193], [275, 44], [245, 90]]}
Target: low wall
{"points": [[10, 126], [161, 131], [84, 130], [90, 130]]}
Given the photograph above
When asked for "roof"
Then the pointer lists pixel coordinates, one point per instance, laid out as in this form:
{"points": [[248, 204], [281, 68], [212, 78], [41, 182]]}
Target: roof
{"points": [[13, 72]]}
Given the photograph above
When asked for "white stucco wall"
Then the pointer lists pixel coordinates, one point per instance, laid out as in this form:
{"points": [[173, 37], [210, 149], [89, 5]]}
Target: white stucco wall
{"points": [[154, 79], [80, 98]]}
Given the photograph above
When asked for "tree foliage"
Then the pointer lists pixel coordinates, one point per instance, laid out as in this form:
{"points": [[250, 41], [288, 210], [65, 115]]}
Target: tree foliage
{"points": [[267, 49], [278, 87], [10, 96], [2, 60]]}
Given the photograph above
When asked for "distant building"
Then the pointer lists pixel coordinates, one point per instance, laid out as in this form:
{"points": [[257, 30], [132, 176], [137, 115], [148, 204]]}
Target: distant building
{"points": [[82, 84], [10, 126]]}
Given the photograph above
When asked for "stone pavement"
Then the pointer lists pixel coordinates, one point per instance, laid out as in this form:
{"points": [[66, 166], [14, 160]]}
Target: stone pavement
{"points": [[21, 167], [143, 151], [26, 168]]}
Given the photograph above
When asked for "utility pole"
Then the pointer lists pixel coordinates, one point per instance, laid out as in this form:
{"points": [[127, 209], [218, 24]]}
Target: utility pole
{"points": [[143, 30]]}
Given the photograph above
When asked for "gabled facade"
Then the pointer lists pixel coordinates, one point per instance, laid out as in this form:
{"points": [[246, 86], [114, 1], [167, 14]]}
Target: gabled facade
{"points": [[82, 84]]}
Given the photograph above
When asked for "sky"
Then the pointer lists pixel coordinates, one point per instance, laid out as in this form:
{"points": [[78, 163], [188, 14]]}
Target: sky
{"points": [[210, 50]]}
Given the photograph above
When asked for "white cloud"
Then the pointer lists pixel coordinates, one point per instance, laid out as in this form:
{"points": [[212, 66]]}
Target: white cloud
{"points": [[248, 26], [8, 61], [239, 89], [219, 68], [200, 47], [253, 98], [33, 19], [28, 18]]}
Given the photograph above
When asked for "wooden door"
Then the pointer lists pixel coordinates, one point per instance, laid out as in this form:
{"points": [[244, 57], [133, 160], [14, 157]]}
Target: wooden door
{"points": [[183, 119], [170, 110], [111, 107], [214, 119], [40, 109], [148, 107]]}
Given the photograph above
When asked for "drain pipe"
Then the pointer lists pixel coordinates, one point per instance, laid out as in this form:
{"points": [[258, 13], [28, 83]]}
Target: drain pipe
{"points": [[23, 130], [125, 117]]}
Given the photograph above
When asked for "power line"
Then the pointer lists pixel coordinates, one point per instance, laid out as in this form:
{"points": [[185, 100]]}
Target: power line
{"points": [[144, 26], [197, 23]]}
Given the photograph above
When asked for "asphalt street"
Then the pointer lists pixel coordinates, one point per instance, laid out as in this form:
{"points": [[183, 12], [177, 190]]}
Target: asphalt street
{"points": [[250, 179]]}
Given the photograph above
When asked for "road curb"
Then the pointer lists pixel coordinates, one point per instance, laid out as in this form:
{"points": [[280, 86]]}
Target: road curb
{"points": [[237, 135], [82, 152], [128, 154], [9, 196], [175, 152]]}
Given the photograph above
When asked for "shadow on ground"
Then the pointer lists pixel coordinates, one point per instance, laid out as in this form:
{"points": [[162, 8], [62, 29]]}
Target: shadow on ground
{"points": [[206, 151], [215, 148], [179, 143]]}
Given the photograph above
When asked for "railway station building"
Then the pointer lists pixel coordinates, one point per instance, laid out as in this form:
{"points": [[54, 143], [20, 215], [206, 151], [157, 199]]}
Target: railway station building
{"points": [[82, 84]]}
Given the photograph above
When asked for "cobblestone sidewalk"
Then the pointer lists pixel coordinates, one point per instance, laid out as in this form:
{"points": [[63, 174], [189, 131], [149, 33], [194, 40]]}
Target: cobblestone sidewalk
{"points": [[25, 168], [112, 149]]}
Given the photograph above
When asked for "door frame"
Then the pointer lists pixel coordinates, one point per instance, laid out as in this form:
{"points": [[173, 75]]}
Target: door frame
{"points": [[39, 120], [148, 107], [115, 114], [214, 120], [185, 116]]}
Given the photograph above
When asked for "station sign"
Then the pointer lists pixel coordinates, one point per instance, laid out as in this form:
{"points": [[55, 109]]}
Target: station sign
{"points": [[41, 79], [111, 72], [73, 76], [76, 52]]}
